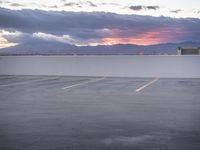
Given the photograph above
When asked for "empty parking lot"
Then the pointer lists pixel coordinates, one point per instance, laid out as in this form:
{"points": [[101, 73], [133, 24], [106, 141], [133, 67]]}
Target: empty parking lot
{"points": [[99, 113]]}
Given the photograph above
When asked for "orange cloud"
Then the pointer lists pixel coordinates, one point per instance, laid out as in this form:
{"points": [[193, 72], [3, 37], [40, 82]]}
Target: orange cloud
{"points": [[148, 38], [138, 41]]}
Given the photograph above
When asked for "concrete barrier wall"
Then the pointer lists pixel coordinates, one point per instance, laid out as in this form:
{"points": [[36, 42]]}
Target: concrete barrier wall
{"points": [[106, 65]]}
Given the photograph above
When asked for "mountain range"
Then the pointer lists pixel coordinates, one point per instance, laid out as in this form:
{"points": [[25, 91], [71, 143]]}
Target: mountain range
{"points": [[58, 48]]}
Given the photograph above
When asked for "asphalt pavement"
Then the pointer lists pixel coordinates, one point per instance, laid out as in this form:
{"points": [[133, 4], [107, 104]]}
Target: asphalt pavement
{"points": [[99, 113]]}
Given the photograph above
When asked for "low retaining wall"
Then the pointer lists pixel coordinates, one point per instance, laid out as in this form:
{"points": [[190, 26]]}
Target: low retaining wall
{"points": [[105, 65]]}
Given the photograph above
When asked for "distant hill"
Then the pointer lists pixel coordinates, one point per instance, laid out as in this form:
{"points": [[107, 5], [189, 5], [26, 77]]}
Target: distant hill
{"points": [[57, 48]]}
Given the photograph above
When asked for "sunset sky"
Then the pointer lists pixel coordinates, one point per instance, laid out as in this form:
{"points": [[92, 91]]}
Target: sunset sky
{"points": [[99, 22]]}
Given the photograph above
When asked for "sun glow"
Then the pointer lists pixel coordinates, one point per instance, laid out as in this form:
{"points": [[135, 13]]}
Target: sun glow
{"points": [[138, 41], [5, 43], [147, 38]]}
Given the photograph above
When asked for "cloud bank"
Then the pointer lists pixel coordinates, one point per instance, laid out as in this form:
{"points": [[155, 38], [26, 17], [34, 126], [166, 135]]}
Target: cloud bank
{"points": [[85, 28]]}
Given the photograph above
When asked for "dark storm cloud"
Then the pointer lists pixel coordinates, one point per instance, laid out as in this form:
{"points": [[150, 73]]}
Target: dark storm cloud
{"points": [[71, 4], [136, 8], [176, 11], [96, 25], [152, 7], [91, 4], [16, 5], [61, 22], [54, 6], [140, 7]]}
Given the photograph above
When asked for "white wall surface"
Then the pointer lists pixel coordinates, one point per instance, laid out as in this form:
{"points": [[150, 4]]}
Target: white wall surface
{"points": [[106, 65]]}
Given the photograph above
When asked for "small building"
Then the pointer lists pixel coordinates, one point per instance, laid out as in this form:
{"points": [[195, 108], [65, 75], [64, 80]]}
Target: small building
{"points": [[188, 51]]}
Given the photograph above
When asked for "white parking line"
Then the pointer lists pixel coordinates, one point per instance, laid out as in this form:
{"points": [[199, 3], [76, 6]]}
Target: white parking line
{"points": [[144, 86], [83, 83], [25, 82]]}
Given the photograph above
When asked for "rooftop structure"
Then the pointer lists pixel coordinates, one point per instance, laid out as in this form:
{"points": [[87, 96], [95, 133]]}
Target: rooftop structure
{"points": [[188, 51]]}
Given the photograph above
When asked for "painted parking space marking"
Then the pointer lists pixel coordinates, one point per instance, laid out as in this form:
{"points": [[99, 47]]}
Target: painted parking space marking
{"points": [[26, 82], [83, 83], [146, 85]]}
